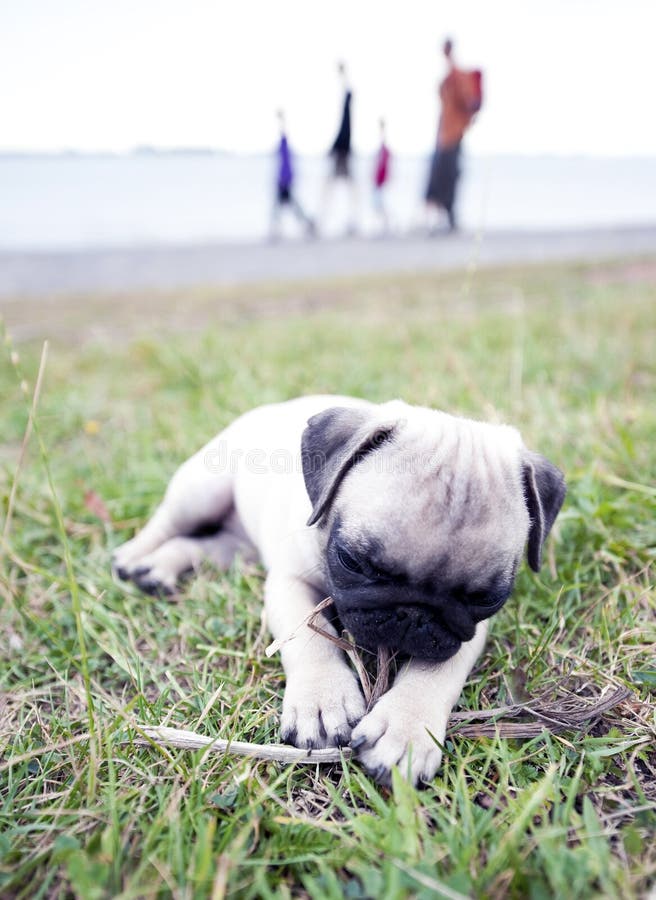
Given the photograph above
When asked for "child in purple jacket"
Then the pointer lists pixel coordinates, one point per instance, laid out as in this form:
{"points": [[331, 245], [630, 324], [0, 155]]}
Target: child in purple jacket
{"points": [[284, 183]]}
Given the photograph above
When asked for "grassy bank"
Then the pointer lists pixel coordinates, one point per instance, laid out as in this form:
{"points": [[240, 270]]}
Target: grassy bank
{"points": [[132, 386]]}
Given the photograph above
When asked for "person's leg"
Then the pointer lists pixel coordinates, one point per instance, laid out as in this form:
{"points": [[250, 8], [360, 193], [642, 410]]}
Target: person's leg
{"points": [[353, 205], [431, 195], [274, 229], [432, 211], [452, 186], [346, 174], [326, 199], [301, 215], [382, 202]]}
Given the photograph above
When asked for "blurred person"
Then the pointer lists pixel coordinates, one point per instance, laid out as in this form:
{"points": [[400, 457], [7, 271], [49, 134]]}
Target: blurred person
{"points": [[460, 96], [381, 177], [340, 153], [284, 197]]}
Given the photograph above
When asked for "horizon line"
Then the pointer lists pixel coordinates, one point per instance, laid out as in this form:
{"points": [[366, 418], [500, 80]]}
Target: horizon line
{"points": [[147, 150]]}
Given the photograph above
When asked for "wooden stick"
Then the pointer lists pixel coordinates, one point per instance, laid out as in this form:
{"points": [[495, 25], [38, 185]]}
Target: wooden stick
{"points": [[189, 740]]}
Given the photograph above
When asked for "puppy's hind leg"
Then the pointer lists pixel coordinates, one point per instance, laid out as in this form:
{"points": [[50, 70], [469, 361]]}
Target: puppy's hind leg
{"points": [[197, 498], [159, 571]]}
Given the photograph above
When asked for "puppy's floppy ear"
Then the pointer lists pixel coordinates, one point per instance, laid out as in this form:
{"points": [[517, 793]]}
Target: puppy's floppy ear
{"points": [[544, 492], [332, 443]]}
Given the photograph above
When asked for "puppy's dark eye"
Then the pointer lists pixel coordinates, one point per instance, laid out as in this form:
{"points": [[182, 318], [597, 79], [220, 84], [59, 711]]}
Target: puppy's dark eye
{"points": [[348, 562], [484, 599]]}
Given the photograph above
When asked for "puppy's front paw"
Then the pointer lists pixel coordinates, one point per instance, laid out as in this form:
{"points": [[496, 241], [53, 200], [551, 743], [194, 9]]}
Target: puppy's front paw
{"points": [[320, 710], [396, 734]]}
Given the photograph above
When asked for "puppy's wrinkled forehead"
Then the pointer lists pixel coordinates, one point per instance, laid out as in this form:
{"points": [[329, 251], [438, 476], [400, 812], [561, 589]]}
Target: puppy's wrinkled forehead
{"points": [[442, 491]]}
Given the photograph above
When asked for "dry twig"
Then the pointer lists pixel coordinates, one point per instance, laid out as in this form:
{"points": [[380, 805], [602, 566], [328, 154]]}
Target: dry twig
{"points": [[189, 740]]}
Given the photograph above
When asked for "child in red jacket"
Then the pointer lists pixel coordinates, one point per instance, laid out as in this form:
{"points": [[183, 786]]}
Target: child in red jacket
{"points": [[381, 177]]}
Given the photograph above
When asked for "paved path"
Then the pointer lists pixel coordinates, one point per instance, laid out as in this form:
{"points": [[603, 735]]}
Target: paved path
{"points": [[136, 268]]}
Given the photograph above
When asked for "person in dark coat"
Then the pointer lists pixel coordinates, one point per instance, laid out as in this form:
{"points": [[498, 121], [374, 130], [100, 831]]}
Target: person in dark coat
{"points": [[341, 148], [340, 153]]}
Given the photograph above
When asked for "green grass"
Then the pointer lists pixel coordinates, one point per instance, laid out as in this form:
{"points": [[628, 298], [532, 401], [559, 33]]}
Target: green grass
{"points": [[134, 385]]}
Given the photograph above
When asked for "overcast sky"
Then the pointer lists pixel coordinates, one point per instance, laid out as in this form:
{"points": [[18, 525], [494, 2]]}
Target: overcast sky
{"points": [[561, 76]]}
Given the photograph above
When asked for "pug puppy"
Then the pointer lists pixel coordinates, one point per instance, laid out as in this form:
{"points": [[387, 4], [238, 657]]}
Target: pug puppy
{"points": [[414, 521]]}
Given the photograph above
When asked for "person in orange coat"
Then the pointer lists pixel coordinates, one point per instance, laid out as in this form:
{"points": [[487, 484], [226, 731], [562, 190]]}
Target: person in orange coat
{"points": [[460, 99]]}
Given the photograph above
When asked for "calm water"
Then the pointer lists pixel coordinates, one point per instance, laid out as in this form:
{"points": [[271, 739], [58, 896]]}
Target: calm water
{"points": [[70, 202]]}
